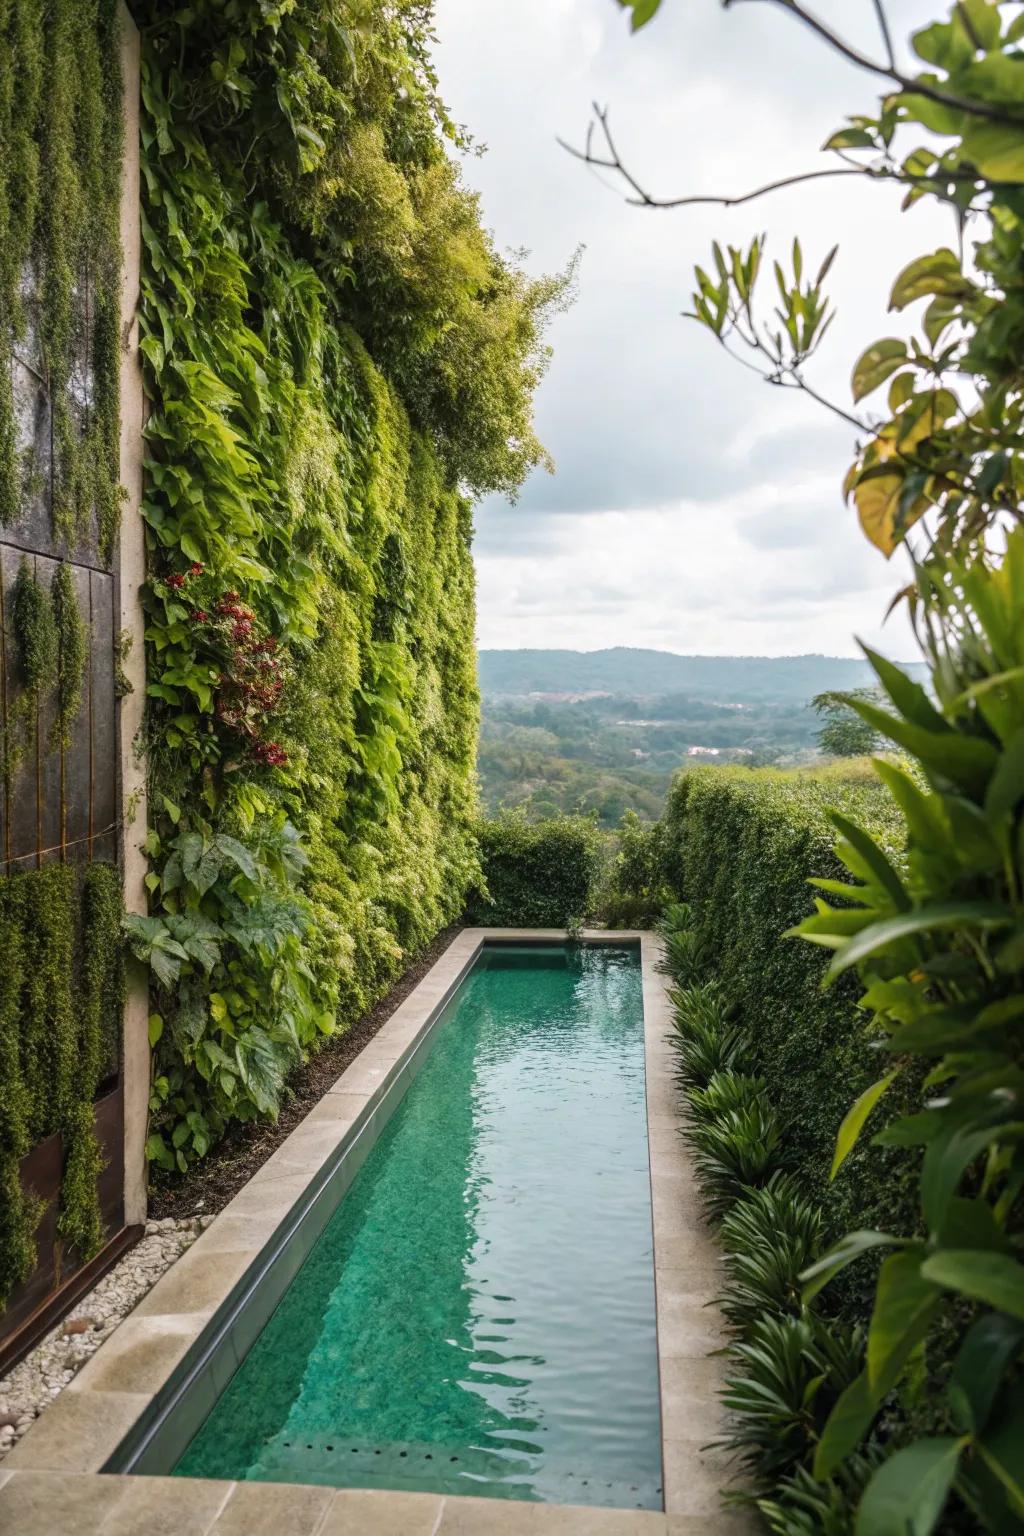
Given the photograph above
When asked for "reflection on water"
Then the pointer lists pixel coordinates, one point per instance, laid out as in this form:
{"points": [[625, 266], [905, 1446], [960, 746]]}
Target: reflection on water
{"points": [[478, 1316]]}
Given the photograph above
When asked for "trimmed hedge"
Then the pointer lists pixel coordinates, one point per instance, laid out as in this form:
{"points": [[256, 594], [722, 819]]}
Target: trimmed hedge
{"points": [[740, 846], [538, 874]]}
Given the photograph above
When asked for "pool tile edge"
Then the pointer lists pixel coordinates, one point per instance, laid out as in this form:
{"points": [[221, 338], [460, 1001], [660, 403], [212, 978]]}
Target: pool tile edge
{"points": [[687, 1266]]}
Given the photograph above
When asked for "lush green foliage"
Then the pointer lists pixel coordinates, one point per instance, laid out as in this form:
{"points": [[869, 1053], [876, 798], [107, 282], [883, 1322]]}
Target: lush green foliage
{"points": [[35, 655], [537, 875], [71, 652], [335, 351], [617, 747], [939, 948], [634, 892], [61, 999], [844, 733], [60, 127], [60, 159]]}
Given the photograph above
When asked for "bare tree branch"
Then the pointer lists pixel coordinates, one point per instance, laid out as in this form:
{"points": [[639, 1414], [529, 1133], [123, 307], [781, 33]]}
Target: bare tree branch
{"points": [[642, 198], [906, 83], [611, 160], [883, 27]]}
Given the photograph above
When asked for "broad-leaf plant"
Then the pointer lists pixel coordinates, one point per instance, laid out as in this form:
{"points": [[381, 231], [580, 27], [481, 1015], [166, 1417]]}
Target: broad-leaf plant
{"points": [[936, 939]]}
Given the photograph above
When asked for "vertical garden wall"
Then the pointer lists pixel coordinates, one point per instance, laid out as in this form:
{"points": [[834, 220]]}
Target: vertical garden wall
{"points": [[338, 359], [60, 810]]}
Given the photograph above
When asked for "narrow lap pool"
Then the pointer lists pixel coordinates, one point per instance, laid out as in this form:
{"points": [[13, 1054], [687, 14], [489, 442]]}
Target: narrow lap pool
{"points": [[478, 1314]]}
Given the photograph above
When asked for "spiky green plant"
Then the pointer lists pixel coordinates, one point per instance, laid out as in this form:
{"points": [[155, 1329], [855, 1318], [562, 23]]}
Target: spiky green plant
{"points": [[770, 1235], [783, 1378], [742, 1147], [800, 1505], [725, 1090]]}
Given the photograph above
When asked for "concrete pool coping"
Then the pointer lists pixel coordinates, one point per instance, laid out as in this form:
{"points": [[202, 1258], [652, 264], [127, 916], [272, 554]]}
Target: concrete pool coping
{"points": [[123, 1389]]}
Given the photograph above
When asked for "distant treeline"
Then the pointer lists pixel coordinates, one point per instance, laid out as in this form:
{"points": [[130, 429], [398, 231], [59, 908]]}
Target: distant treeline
{"points": [[642, 673]]}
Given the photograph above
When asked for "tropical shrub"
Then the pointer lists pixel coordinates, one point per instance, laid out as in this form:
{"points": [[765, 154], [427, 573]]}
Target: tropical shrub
{"points": [[782, 1379], [725, 1090], [806, 1507], [634, 892], [537, 874], [737, 1149], [938, 945], [788, 1362], [707, 1046]]}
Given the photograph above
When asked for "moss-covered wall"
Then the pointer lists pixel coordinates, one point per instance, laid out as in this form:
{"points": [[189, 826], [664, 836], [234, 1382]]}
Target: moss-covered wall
{"points": [[61, 996], [61, 976]]}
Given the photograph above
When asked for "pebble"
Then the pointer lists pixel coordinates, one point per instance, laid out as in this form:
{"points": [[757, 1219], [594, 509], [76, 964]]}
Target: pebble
{"points": [[46, 1370]]}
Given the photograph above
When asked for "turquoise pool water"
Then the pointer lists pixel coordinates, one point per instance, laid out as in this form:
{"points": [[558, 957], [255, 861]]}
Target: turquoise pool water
{"points": [[478, 1315]]}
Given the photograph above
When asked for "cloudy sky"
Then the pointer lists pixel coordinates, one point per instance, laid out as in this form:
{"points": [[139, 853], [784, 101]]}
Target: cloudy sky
{"points": [[694, 508]]}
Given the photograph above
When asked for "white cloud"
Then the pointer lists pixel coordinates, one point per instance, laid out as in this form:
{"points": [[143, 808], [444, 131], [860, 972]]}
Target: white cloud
{"points": [[694, 507], [686, 577]]}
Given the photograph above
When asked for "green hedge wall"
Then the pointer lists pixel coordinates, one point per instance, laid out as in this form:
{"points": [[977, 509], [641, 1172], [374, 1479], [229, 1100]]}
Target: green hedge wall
{"points": [[538, 874], [740, 848]]}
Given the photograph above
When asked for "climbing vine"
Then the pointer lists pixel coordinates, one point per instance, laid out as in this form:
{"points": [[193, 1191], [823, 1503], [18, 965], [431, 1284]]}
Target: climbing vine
{"points": [[60, 127], [35, 634], [61, 995], [70, 658]]}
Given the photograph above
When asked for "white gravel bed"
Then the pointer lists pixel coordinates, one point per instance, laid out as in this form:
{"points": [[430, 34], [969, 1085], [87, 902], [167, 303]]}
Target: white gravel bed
{"points": [[47, 1369]]}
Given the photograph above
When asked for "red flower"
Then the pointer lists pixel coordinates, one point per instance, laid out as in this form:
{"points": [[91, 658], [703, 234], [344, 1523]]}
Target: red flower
{"points": [[195, 569], [200, 616], [271, 753], [175, 580]]}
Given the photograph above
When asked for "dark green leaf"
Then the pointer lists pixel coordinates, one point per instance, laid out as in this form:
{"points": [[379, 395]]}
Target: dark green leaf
{"points": [[844, 1252], [993, 1278], [855, 1118], [982, 916], [845, 1427], [945, 1161], [908, 1493], [905, 1304], [990, 1346], [875, 860]]}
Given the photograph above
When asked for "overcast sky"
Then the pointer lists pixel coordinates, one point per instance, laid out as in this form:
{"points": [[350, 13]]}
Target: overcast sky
{"points": [[694, 508]]}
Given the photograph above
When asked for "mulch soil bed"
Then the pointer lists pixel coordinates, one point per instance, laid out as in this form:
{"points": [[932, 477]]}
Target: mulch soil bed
{"points": [[217, 1178]]}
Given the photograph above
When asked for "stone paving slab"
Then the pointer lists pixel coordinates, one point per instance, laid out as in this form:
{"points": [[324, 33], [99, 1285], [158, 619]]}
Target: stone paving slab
{"points": [[52, 1480]]}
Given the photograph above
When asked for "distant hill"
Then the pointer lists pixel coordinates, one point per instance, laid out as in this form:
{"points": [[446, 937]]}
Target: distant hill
{"points": [[643, 673]]}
